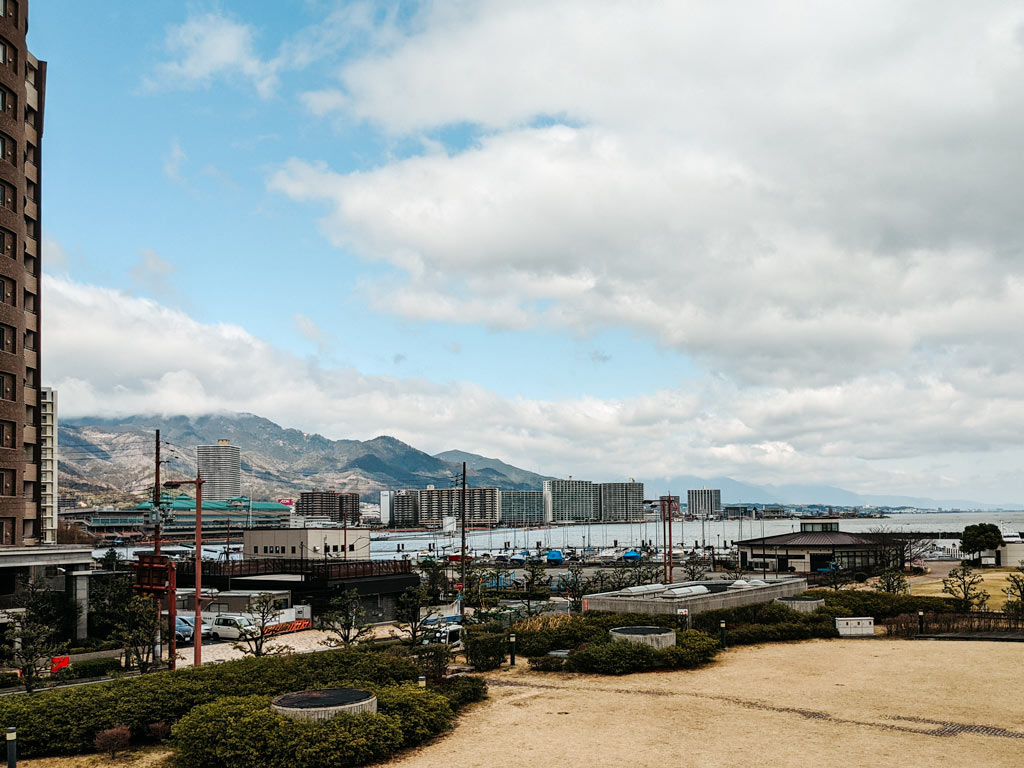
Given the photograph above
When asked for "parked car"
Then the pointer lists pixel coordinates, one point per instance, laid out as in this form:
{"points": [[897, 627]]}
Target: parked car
{"points": [[446, 634], [182, 631], [232, 627], [207, 630]]}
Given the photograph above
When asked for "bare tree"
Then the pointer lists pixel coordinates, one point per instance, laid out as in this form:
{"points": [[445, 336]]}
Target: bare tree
{"points": [[534, 578], [1014, 592], [345, 620], [902, 547], [256, 640], [836, 576], [963, 586]]}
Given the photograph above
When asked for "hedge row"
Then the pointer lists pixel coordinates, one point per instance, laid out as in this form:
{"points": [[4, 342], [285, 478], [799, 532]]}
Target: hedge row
{"points": [[692, 649], [66, 721], [573, 631], [880, 605], [80, 670], [486, 650]]}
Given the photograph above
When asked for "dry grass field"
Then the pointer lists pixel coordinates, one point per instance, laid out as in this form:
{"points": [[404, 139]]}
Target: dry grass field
{"points": [[841, 703], [994, 582]]}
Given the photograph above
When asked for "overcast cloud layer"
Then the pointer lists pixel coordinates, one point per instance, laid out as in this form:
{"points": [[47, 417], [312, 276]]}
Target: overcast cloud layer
{"points": [[818, 203]]}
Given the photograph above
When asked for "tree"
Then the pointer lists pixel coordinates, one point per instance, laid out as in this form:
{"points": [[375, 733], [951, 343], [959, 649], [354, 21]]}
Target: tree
{"points": [[108, 595], [979, 537], [137, 631], [33, 634], [345, 620], [409, 613], [836, 576], [893, 582], [436, 576], [110, 560], [902, 547], [737, 571], [693, 567], [963, 586], [265, 614], [576, 587], [1014, 592], [534, 577]]}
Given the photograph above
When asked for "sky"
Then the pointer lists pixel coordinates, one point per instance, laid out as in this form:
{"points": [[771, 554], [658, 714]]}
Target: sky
{"points": [[775, 241]]}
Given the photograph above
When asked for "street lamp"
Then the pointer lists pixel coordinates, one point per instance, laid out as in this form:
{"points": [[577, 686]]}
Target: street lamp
{"points": [[197, 631]]}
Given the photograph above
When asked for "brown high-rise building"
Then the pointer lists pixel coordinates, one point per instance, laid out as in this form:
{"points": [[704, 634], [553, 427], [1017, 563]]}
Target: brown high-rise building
{"points": [[22, 92]]}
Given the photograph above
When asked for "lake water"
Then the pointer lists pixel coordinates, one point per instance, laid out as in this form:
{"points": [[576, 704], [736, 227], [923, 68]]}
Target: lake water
{"points": [[717, 533]]}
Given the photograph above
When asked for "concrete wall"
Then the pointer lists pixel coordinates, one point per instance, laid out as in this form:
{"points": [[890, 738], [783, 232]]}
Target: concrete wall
{"points": [[610, 601], [307, 543]]}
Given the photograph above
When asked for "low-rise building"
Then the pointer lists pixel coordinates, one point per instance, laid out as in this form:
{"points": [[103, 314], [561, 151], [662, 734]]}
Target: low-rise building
{"points": [[307, 543], [814, 549]]}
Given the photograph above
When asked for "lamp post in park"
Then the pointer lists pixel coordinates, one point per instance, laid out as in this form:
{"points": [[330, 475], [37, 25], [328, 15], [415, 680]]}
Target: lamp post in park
{"points": [[197, 630]]}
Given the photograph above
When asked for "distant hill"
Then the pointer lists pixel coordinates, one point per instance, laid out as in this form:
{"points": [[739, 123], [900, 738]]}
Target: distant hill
{"points": [[117, 455]]}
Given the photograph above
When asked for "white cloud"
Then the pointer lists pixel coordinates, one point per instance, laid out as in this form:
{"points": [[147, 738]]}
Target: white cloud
{"points": [[212, 45], [112, 354], [173, 161], [152, 274]]}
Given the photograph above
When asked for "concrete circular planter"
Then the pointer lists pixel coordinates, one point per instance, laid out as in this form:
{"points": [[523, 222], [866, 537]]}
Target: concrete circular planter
{"points": [[656, 637], [324, 704]]}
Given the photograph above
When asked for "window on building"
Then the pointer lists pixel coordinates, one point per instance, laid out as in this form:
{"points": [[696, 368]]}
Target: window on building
{"points": [[8, 433], [32, 228], [7, 242], [7, 478], [7, 336], [335, 547], [8, 101], [8, 196], [29, 302], [31, 191], [7, 386], [7, 291], [255, 549], [30, 74], [31, 116], [293, 550], [266, 550], [30, 340], [31, 152], [31, 376], [351, 547]]}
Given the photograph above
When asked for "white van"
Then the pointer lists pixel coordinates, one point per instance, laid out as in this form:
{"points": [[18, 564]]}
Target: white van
{"points": [[446, 634], [228, 626]]}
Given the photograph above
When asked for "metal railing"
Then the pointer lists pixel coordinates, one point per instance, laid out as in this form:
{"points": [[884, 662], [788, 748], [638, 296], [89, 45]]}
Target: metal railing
{"points": [[317, 569]]}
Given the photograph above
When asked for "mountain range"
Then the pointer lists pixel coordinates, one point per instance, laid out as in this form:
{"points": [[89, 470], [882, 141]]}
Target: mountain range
{"points": [[103, 455]]}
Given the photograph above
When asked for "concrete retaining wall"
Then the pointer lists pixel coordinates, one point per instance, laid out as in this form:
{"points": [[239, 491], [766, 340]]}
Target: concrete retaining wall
{"points": [[610, 601]]}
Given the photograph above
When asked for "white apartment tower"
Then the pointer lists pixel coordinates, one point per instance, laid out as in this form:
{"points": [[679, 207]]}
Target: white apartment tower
{"points": [[622, 502], [704, 502], [48, 464], [221, 468], [571, 501]]}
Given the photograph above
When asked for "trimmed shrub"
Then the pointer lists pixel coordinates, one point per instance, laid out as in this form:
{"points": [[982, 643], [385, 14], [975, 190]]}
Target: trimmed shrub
{"points": [[78, 670], [9, 679], [461, 691], [486, 650], [432, 659], [692, 649], [343, 740], [612, 658], [880, 605], [66, 721], [231, 731], [547, 663], [420, 714]]}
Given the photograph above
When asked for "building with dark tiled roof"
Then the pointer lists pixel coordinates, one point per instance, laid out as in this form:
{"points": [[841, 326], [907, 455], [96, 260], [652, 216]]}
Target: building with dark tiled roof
{"points": [[818, 544]]}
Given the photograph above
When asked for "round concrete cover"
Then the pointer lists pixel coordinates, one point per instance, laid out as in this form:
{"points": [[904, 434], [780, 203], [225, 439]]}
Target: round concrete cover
{"points": [[326, 697]]}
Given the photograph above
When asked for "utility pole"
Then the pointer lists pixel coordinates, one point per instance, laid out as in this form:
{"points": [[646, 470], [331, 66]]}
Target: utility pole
{"points": [[156, 505], [670, 553], [462, 561]]}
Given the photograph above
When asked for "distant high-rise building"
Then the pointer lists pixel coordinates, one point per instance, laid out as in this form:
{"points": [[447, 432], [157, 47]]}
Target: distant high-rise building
{"points": [[404, 509], [22, 91], [571, 501], [348, 508], [318, 504], [703, 502], [49, 492], [387, 507], [221, 468], [622, 502], [483, 506], [522, 507], [435, 504]]}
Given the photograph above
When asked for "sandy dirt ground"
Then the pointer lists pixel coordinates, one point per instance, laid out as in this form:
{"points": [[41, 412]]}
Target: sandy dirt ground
{"points": [[838, 703]]}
